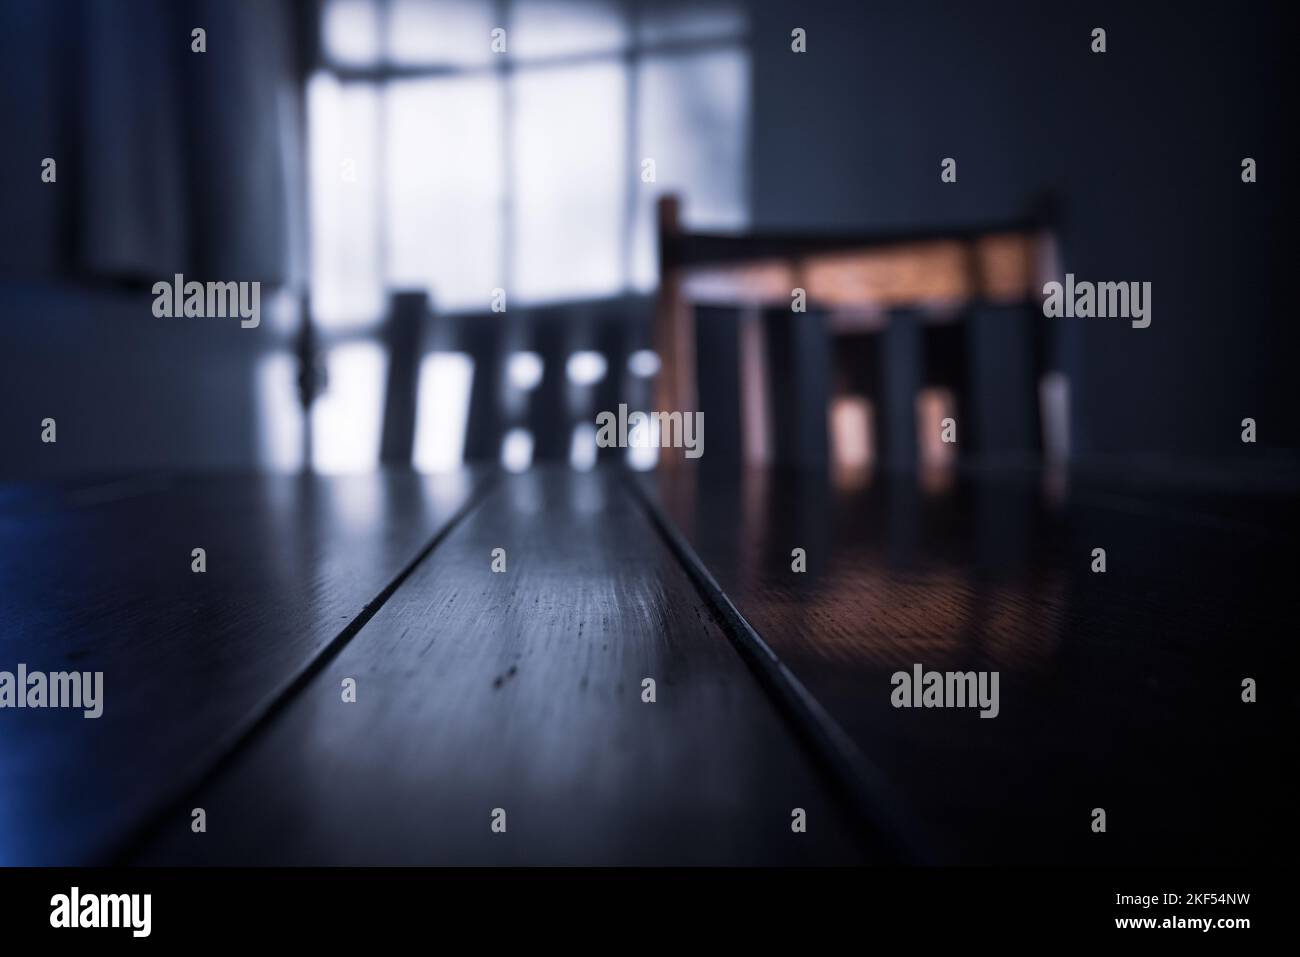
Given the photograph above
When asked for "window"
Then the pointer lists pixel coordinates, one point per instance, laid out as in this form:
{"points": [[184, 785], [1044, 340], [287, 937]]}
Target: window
{"points": [[438, 163]]}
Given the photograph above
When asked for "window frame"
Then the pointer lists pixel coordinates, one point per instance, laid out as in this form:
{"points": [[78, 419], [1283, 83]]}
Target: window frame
{"points": [[503, 68]]}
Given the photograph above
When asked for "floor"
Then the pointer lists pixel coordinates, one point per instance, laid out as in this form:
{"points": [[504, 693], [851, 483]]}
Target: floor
{"points": [[359, 677]]}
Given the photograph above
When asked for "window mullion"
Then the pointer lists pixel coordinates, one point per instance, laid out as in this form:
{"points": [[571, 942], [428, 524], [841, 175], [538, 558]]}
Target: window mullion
{"points": [[506, 79]]}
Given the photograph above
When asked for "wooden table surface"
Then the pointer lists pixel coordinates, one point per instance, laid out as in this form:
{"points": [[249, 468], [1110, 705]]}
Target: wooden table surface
{"points": [[521, 690], [1119, 690]]}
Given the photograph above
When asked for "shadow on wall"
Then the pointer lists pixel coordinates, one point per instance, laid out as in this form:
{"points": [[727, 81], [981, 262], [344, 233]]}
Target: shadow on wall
{"points": [[1143, 144]]}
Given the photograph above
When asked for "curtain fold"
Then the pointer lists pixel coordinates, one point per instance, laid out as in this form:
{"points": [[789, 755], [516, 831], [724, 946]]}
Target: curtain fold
{"points": [[168, 160]]}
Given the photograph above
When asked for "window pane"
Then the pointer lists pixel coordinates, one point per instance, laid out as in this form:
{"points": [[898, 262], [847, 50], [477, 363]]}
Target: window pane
{"points": [[445, 188], [517, 450], [346, 417], [453, 32], [692, 120], [442, 410], [279, 411], [694, 20], [342, 119], [350, 31], [546, 28], [570, 177]]}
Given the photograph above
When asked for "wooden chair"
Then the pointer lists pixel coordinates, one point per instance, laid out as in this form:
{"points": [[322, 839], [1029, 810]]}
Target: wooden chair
{"points": [[552, 409], [899, 328]]}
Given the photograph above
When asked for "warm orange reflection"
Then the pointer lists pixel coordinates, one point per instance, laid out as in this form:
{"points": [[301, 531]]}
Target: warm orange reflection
{"points": [[852, 439]]}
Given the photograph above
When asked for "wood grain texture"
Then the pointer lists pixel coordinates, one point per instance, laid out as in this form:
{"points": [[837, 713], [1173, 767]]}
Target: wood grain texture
{"points": [[1119, 690], [98, 578], [522, 691]]}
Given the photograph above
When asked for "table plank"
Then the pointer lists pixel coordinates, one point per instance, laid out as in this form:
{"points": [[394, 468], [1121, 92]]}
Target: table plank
{"points": [[522, 691], [97, 577]]}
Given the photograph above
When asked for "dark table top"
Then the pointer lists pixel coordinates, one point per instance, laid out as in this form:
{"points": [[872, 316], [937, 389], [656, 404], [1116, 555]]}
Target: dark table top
{"points": [[522, 690], [1119, 690]]}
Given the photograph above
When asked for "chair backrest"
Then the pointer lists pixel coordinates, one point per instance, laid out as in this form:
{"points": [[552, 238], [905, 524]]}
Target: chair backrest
{"points": [[891, 334], [604, 332]]}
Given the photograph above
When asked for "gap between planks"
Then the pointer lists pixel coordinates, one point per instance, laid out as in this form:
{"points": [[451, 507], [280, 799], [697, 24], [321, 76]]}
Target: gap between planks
{"points": [[877, 807]]}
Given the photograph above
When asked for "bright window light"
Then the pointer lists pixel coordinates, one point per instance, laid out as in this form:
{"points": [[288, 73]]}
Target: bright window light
{"points": [[442, 410], [280, 415], [440, 32], [644, 363], [433, 170], [345, 264], [692, 118], [444, 189], [582, 447], [517, 450], [346, 418], [690, 20], [527, 180], [350, 31], [524, 370], [644, 456], [586, 368], [570, 177], [547, 28]]}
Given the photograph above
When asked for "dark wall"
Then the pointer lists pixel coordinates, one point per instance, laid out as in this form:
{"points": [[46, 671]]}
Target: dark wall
{"points": [[168, 161], [1143, 145], [126, 390]]}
